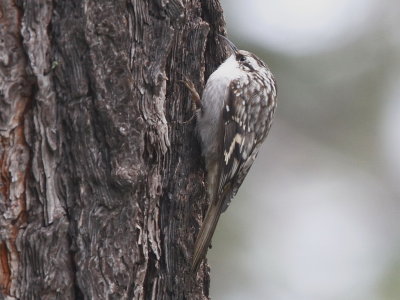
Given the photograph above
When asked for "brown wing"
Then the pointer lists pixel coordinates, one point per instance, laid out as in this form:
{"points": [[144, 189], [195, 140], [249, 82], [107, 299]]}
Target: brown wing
{"points": [[246, 107]]}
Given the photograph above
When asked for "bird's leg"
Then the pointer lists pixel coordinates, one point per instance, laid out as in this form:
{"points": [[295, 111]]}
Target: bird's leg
{"points": [[196, 100]]}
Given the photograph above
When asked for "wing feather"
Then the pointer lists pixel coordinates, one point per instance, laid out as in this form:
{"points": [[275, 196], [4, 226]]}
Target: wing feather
{"points": [[240, 141]]}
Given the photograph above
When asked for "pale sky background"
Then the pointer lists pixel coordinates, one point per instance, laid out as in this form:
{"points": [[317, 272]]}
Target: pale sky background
{"points": [[318, 216]]}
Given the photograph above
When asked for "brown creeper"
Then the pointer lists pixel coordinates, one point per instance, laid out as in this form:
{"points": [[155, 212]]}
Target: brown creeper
{"points": [[237, 108]]}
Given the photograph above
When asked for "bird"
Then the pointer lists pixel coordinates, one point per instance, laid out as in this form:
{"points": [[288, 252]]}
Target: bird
{"points": [[234, 118]]}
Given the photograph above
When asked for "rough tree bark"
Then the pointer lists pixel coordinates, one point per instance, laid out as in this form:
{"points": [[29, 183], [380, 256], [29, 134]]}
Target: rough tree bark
{"points": [[102, 182]]}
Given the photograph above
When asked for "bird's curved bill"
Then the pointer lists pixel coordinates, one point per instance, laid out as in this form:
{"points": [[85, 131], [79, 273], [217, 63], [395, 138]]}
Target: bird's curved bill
{"points": [[229, 43]]}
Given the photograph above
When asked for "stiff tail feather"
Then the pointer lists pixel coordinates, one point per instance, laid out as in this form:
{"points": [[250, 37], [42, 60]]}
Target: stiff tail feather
{"points": [[206, 232]]}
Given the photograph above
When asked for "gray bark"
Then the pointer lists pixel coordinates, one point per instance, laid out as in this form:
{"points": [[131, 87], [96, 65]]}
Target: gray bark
{"points": [[101, 179]]}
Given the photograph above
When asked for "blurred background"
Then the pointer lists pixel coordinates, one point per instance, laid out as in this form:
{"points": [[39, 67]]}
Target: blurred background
{"points": [[318, 216]]}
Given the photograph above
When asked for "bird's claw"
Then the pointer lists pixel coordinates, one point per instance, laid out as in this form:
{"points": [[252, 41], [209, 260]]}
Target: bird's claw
{"points": [[196, 100]]}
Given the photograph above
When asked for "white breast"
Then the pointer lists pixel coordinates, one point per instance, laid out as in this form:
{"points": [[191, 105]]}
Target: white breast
{"points": [[213, 99]]}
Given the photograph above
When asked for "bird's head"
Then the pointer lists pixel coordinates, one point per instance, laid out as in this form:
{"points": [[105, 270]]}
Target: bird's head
{"points": [[246, 60]]}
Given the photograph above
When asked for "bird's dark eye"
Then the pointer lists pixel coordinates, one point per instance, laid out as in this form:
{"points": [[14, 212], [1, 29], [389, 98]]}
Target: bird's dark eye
{"points": [[242, 58]]}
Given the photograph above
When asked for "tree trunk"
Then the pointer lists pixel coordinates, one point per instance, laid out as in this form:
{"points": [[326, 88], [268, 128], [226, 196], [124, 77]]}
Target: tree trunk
{"points": [[102, 181]]}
